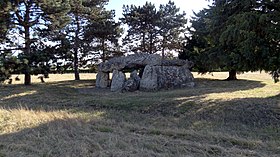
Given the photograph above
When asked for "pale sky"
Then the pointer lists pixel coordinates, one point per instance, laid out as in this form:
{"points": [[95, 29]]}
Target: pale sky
{"points": [[185, 5]]}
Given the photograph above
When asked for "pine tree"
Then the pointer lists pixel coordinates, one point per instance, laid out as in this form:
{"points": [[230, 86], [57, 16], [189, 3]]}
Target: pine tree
{"points": [[271, 33], [8, 65], [22, 22], [171, 27], [151, 30], [4, 19], [241, 36], [142, 33], [103, 34], [197, 47], [81, 13]]}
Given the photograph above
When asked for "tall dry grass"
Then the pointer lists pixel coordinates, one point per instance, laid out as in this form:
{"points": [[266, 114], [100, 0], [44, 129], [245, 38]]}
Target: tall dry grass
{"points": [[71, 118]]}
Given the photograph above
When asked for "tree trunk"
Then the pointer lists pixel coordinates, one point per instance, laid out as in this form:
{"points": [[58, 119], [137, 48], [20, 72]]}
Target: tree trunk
{"points": [[163, 48], [76, 66], [143, 42], [27, 49], [232, 75], [76, 47], [103, 50], [151, 43], [27, 79], [162, 53], [27, 75]]}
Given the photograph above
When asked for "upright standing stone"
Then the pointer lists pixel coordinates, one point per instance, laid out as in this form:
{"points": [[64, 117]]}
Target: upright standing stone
{"points": [[102, 80], [134, 75], [186, 76], [149, 81], [166, 77], [118, 80], [132, 84]]}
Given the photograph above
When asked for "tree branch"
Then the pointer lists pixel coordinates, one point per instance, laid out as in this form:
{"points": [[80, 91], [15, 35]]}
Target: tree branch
{"points": [[20, 20], [13, 49]]}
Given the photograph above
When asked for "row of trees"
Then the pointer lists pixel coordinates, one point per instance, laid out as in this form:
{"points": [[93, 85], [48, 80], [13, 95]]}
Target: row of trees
{"points": [[42, 33], [38, 34], [236, 35], [230, 35], [151, 30]]}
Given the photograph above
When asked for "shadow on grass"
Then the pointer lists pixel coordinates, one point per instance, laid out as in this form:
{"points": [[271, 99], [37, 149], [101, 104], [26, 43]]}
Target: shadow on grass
{"points": [[49, 96], [79, 137], [185, 104], [67, 137], [143, 122], [82, 95], [237, 113]]}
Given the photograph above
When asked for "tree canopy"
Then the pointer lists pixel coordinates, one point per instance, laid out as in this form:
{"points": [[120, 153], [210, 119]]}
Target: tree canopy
{"points": [[142, 32], [171, 27], [103, 34], [152, 30], [232, 35], [21, 21], [236, 36], [44, 33], [71, 38]]}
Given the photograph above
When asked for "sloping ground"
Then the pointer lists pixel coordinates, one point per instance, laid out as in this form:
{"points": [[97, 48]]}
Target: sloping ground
{"points": [[72, 118]]}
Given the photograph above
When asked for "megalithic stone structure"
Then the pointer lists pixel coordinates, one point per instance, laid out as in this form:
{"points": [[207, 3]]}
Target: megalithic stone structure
{"points": [[154, 73]]}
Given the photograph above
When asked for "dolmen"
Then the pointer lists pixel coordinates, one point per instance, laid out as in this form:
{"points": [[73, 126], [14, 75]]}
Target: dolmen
{"points": [[149, 72]]}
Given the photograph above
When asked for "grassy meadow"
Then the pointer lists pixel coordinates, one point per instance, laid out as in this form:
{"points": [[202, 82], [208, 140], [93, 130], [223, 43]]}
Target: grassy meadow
{"points": [[64, 118]]}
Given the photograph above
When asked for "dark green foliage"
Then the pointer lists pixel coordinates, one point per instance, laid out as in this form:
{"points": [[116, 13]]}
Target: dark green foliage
{"points": [[197, 47], [81, 12], [8, 65], [22, 25], [142, 31], [90, 32], [151, 30], [103, 33], [236, 35], [4, 19], [171, 27], [74, 45]]}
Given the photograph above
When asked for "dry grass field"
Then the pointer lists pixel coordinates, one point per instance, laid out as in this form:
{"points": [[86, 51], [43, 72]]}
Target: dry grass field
{"points": [[63, 118]]}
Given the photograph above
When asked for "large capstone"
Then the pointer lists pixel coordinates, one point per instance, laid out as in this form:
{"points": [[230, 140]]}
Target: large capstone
{"points": [[130, 61], [118, 80]]}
